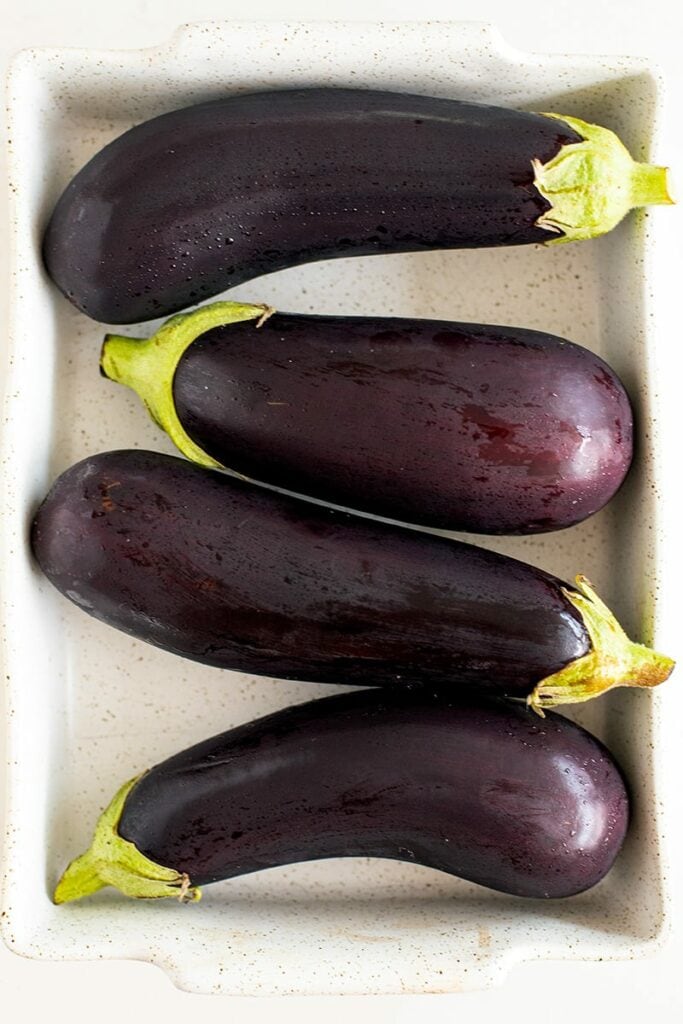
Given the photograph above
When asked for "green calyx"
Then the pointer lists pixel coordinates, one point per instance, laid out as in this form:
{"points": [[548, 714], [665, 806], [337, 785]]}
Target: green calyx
{"points": [[148, 366], [591, 185], [613, 660], [112, 860]]}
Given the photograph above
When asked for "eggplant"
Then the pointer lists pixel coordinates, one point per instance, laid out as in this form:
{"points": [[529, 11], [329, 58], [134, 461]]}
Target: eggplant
{"points": [[200, 199], [482, 790], [241, 577], [450, 425]]}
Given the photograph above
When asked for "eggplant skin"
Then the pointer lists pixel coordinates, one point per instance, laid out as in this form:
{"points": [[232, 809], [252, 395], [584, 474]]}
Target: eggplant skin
{"points": [[457, 426], [185, 205], [237, 576], [484, 790]]}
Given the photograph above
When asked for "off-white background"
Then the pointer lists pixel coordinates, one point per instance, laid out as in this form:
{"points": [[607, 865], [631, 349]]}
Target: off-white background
{"points": [[101, 993]]}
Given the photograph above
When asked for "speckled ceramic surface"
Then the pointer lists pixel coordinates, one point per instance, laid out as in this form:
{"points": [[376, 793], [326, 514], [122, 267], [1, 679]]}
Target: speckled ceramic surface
{"points": [[89, 707]]}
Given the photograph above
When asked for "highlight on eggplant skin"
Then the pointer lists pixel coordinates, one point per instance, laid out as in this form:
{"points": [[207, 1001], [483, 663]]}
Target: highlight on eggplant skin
{"points": [[201, 199], [237, 576], [483, 790], [457, 426]]}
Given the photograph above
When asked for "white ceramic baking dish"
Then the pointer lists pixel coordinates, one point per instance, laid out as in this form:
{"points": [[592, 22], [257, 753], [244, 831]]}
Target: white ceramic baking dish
{"points": [[88, 707]]}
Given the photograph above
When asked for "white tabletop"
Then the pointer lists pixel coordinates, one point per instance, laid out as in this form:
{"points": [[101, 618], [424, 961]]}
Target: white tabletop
{"points": [[570, 992]]}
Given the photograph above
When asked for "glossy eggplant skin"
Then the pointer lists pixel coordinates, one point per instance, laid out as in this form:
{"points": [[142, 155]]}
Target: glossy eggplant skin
{"points": [[237, 576], [200, 199], [483, 790], [457, 426]]}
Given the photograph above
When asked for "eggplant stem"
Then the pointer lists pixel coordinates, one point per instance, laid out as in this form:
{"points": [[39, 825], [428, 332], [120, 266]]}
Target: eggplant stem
{"points": [[112, 860], [613, 660], [591, 185], [148, 366], [265, 315]]}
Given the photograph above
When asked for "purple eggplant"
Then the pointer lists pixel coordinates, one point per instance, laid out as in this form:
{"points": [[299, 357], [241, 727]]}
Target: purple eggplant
{"points": [[458, 426], [241, 577], [200, 199], [486, 791]]}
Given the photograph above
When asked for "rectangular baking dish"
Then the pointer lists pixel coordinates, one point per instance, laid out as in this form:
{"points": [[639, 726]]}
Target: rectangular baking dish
{"points": [[89, 707]]}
